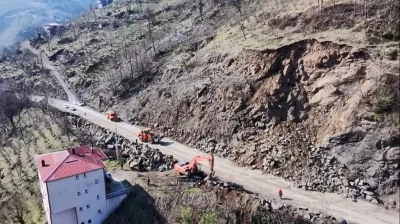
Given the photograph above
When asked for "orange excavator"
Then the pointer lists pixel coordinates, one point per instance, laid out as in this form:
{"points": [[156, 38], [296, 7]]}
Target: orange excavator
{"points": [[186, 168]]}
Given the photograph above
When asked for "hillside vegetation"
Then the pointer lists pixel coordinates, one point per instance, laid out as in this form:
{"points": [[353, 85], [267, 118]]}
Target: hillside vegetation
{"points": [[26, 130]]}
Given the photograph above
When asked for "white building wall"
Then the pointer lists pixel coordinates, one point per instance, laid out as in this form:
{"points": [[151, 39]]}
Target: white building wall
{"points": [[65, 217], [113, 203], [81, 194], [45, 199]]}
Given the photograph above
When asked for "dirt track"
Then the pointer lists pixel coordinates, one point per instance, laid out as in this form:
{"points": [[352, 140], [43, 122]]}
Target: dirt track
{"points": [[252, 180], [47, 64]]}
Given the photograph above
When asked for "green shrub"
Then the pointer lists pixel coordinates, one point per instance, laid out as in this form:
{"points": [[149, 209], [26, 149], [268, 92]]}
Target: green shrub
{"points": [[385, 99], [184, 215], [383, 102], [208, 217]]}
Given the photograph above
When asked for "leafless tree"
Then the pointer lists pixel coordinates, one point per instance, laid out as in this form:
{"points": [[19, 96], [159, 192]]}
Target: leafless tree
{"points": [[200, 6], [354, 7], [238, 4], [320, 4], [15, 210], [150, 17], [66, 127], [11, 106]]}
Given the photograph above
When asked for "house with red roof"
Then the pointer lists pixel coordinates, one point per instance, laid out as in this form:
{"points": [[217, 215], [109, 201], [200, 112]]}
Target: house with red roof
{"points": [[74, 187]]}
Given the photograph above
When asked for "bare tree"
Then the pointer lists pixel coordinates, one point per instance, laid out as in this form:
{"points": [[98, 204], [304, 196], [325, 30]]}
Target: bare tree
{"points": [[11, 107], [66, 127], [150, 17], [200, 6], [238, 4], [354, 7], [320, 4], [15, 210]]}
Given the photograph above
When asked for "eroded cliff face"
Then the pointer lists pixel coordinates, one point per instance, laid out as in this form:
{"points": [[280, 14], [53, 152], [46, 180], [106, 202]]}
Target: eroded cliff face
{"points": [[303, 111]]}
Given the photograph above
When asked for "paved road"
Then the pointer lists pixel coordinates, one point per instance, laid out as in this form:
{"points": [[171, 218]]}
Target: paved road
{"points": [[47, 64], [253, 180]]}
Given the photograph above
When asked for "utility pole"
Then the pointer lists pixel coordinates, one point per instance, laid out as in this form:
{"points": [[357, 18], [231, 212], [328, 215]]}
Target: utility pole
{"points": [[116, 143], [41, 58], [91, 141]]}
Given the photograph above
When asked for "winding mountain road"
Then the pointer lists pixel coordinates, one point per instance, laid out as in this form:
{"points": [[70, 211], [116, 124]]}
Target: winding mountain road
{"points": [[253, 180], [47, 64]]}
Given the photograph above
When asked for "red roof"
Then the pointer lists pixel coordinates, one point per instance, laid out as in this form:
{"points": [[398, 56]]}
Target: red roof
{"points": [[69, 163]]}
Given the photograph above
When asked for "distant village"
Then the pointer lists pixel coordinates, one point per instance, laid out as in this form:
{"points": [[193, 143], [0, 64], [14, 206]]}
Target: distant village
{"points": [[52, 29]]}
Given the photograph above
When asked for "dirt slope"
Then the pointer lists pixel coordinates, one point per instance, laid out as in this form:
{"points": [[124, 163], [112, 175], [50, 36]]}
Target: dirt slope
{"points": [[253, 180], [185, 203], [287, 111]]}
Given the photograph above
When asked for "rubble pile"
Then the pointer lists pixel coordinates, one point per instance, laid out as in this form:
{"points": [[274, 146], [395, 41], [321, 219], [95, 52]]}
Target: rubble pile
{"points": [[314, 216], [294, 157], [272, 204], [140, 157], [211, 182], [143, 158]]}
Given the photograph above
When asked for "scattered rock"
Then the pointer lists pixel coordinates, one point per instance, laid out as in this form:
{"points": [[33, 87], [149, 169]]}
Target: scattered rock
{"points": [[276, 205]]}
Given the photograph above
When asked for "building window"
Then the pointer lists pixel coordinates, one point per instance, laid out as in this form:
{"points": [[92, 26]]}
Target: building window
{"points": [[89, 221], [79, 193], [80, 209], [86, 191], [82, 222], [84, 175], [99, 211], [96, 181], [98, 197], [87, 206], [76, 177]]}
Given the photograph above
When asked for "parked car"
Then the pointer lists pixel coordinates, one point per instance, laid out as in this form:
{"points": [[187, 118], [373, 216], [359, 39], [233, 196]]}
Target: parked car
{"points": [[79, 103], [73, 108], [66, 106]]}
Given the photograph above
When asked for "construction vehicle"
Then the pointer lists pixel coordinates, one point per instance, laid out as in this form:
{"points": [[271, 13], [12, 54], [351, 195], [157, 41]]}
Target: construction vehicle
{"points": [[147, 135], [112, 116], [188, 169]]}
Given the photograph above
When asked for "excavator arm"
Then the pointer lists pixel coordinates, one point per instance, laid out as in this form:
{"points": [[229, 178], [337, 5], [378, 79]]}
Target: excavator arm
{"points": [[191, 168], [193, 163]]}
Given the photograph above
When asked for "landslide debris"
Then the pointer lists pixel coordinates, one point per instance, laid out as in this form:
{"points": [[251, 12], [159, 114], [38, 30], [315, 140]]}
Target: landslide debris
{"points": [[138, 156], [302, 111], [295, 89]]}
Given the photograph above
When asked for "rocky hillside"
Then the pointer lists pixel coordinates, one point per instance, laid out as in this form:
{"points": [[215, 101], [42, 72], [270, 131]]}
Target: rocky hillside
{"points": [[296, 89]]}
